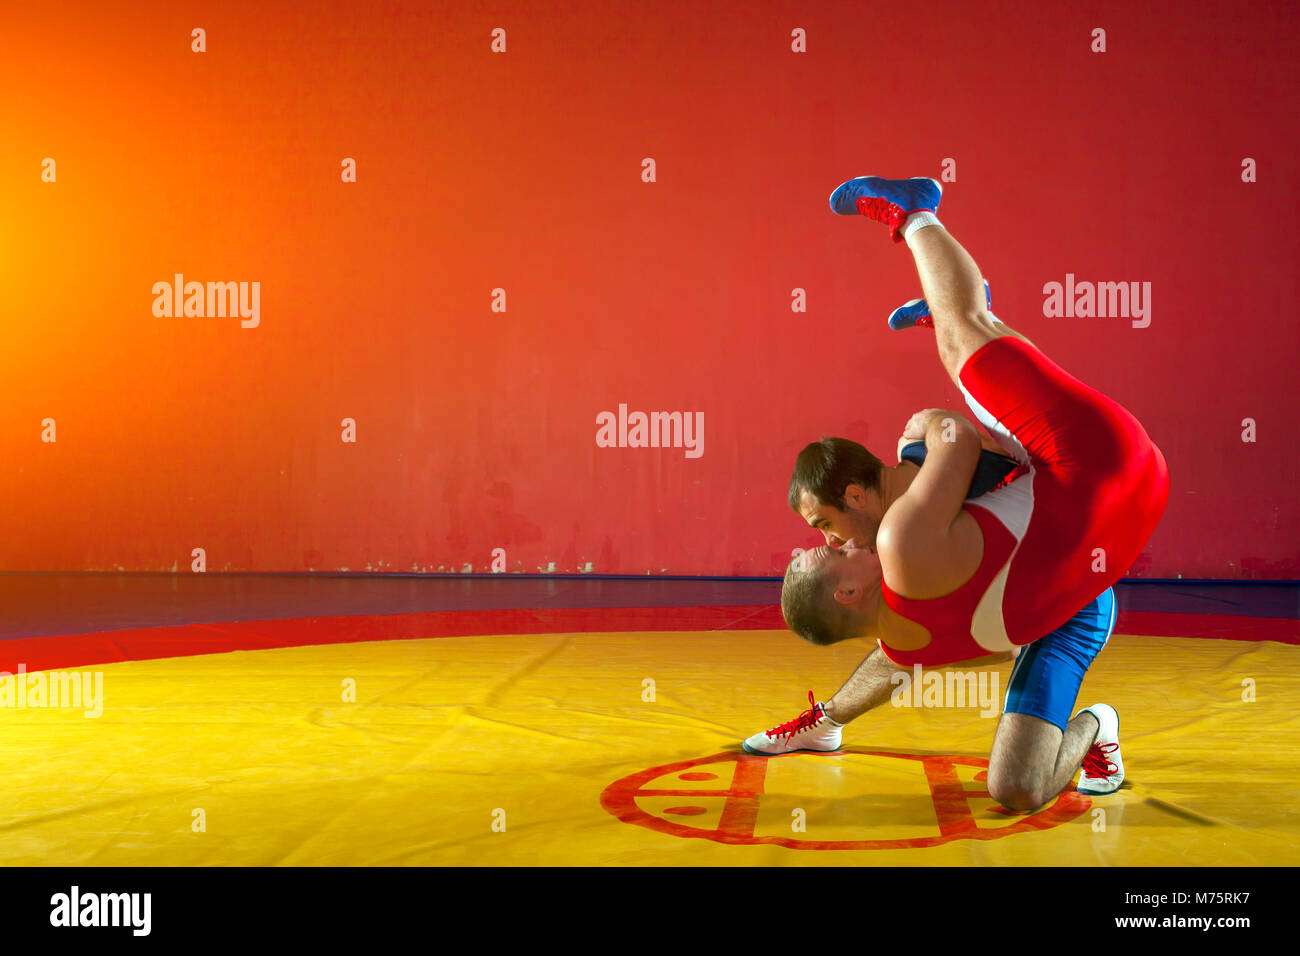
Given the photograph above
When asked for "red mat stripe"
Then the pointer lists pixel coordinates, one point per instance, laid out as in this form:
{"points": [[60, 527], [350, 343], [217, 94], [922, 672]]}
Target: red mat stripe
{"points": [[151, 643]]}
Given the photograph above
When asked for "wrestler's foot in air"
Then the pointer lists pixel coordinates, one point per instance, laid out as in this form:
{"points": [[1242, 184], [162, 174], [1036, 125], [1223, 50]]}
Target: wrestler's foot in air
{"points": [[917, 312], [889, 201], [1103, 768], [811, 730]]}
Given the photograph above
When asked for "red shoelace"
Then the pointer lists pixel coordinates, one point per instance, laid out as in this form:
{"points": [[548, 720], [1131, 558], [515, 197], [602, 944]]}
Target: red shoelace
{"points": [[882, 210], [1095, 762], [808, 718]]}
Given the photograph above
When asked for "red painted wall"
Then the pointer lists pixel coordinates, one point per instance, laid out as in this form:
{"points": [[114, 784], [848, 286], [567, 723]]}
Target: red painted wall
{"points": [[522, 171]]}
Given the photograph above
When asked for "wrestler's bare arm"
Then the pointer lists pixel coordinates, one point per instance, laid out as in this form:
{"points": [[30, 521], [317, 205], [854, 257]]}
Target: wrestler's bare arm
{"points": [[925, 549]]}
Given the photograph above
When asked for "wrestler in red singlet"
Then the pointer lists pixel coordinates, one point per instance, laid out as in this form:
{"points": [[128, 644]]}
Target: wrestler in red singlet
{"points": [[1092, 489]]}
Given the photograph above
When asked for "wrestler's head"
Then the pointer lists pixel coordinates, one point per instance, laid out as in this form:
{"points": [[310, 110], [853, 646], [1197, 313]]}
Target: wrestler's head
{"points": [[836, 489], [831, 594]]}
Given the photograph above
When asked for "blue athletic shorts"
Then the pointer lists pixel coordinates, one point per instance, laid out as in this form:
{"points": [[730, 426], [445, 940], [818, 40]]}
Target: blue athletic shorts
{"points": [[1046, 677]]}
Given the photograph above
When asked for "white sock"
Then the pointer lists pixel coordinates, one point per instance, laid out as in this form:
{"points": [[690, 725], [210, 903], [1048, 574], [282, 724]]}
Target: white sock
{"points": [[918, 220]]}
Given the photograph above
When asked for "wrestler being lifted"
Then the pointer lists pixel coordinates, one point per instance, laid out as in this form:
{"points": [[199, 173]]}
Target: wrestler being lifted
{"points": [[953, 573]]}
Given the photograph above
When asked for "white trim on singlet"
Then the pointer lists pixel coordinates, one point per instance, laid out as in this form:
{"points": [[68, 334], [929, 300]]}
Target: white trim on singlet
{"points": [[1001, 434], [1013, 506]]}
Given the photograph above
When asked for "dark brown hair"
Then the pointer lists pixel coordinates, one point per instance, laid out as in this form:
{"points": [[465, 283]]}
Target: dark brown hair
{"points": [[829, 466]]}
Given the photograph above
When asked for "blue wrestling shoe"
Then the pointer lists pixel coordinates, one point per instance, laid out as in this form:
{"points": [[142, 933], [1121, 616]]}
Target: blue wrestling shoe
{"points": [[917, 312], [889, 201]]}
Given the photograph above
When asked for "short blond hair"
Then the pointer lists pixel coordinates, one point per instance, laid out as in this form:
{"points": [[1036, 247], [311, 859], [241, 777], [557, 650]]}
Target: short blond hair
{"points": [[808, 603]]}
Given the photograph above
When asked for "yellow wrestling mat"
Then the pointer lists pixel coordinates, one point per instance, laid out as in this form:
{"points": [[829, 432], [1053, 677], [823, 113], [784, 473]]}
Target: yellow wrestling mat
{"points": [[623, 749]]}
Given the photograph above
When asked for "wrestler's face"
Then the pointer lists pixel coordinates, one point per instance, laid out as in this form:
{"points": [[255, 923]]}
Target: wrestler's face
{"points": [[854, 571], [856, 521]]}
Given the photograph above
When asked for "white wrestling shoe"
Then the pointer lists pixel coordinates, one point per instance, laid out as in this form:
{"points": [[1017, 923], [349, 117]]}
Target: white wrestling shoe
{"points": [[811, 730], [1103, 768]]}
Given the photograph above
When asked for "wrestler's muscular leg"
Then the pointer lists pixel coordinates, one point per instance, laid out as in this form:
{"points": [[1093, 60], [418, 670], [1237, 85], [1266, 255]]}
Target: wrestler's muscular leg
{"points": [[1032, 761], [954, 289], [873, 683], [868, 687]]}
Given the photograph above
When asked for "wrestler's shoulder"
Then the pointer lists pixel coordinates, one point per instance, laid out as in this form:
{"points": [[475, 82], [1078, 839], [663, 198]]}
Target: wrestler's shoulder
{"points": [[920, 564]]}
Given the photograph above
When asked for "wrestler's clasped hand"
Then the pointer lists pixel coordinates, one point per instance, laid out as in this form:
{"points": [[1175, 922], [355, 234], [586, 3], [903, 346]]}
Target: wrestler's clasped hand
{"points": [[919, 423]]}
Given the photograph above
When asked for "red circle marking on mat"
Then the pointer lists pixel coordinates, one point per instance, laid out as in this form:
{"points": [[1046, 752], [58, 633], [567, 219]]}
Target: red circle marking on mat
{"points": [[736, 824]]}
